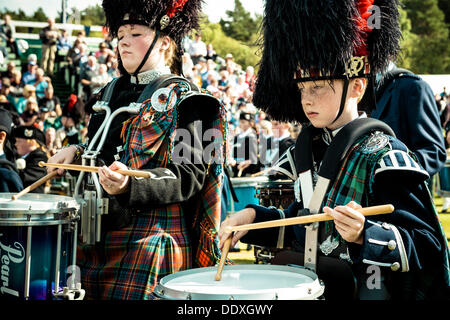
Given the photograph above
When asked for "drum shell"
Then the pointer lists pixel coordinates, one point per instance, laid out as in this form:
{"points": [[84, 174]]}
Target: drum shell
{"points": [[43, 252], [245, 189], [30, 232], [311, 290]]}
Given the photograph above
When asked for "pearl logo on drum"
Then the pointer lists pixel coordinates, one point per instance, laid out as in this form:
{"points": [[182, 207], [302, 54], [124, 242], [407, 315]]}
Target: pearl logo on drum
{"points": [[9, 255]]}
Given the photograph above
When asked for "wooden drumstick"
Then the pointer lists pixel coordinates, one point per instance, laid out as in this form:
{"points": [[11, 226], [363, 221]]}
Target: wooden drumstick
{"points": [[240, 173], [259, 173], [223, 258], [75, 167], [35, 185], [368, 211]]}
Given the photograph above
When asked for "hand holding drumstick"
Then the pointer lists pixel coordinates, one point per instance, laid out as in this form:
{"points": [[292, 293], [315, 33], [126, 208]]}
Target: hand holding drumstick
{"points": [[349, 221]]}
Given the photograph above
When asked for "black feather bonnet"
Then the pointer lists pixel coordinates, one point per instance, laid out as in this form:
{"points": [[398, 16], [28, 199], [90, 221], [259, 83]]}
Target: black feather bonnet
{"points": [[175, 18], [304, 40]]}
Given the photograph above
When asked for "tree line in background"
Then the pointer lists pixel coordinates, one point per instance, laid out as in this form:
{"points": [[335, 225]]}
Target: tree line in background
{"points": [[425, 25]]}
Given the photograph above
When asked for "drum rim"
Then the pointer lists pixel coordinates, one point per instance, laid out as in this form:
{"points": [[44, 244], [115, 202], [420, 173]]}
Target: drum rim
{"points": [[64, 204], [173, 294]]}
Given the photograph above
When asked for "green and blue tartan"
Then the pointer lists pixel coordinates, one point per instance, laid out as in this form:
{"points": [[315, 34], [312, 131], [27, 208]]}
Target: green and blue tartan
{"points": [[131, 261]]}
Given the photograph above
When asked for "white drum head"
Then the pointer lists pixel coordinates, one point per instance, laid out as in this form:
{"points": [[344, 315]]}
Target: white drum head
{"points": [[242, 282]]}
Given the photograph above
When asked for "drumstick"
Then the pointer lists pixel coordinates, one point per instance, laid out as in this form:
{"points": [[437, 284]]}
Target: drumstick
{"points": [[240, 173], [35, 185], [260, 173], [131, 173], [223, 258], [368, 211]]}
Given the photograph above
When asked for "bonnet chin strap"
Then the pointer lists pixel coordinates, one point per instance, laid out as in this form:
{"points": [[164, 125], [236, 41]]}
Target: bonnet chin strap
{"points": [[343, 98], [144, 60]]}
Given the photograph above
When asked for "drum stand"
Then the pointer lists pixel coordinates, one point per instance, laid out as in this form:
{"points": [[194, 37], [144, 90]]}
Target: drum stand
{"points": [[93, 205]]}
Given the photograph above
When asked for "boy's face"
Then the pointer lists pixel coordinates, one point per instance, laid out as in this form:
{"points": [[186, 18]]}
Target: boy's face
{"points": [[321, 102], [244, 125]]}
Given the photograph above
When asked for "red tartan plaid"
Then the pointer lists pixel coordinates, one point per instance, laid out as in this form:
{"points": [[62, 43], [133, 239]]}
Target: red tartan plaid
{"points": [[131, 261]]}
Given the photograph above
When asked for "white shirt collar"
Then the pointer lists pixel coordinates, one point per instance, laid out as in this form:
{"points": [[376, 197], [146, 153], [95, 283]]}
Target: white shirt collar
{"points": [[328, 135], [284, 136], [246, 133], [148, 76]]}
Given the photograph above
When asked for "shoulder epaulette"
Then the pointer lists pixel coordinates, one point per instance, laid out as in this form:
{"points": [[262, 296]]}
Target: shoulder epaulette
{"points": [[399, 161]]}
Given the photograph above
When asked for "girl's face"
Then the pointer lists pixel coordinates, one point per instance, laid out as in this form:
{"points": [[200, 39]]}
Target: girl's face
{"points": [[134, 41], [321, 102]]}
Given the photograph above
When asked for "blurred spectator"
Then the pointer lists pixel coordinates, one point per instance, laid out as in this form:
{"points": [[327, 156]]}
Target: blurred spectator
{"points": [[241, 85], [49, 37], [197, 48], [210, 52], [82, 57], [265, 142], [51, 102], [16, 87], [10, 69], [41, 83], [103, 53], [81, 36], [444, 93], [250, 77], [16, 80], [73, 113], [223, 80], [109, 41], [213, 87], [87, 73], [73, 52], [28, 92], [29, 77], [9, 178], [63, 44], [232, 74], [5, 91], [113, 67], [30, 144], [101, 79], [295, 130], [31, 113], [7, 31], [187, 64], [52, 144], [196, 78]]}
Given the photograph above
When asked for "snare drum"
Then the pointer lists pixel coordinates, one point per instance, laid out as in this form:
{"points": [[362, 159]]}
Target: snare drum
{"points": [[242, 282], [277, 193], [443, 181], [37, 245], [245, 189]]}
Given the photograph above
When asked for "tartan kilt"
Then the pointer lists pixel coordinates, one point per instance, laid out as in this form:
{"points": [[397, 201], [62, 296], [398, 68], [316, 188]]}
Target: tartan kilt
{"points": [[131, 261]]}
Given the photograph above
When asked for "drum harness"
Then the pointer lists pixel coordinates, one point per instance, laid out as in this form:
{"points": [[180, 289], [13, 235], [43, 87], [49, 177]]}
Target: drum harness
{"points": [[313, 197]]}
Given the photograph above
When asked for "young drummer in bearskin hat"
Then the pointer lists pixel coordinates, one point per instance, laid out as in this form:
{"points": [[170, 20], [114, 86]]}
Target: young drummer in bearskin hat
{"points": [[169, 222], [319, 59]]}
